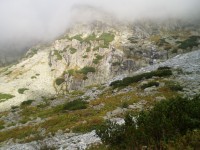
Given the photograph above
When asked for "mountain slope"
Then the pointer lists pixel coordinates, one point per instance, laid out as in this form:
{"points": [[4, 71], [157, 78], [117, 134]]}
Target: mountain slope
{"points": [[33, 74], [109, 104], [93, 53]]}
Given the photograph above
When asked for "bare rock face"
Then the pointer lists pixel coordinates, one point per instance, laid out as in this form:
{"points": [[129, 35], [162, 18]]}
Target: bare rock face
{"points": [[106, 48]]}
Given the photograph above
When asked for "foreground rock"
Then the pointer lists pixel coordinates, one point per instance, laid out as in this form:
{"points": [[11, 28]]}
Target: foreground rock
{"points": [[68, 141]]}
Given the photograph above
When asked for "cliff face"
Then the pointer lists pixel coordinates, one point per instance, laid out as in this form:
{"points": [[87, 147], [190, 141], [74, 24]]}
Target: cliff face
{"points": [[98, 52], [92, 54]]}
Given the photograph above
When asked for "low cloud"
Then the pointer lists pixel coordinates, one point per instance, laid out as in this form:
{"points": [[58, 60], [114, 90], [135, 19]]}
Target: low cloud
{"points": [[26, 22]]}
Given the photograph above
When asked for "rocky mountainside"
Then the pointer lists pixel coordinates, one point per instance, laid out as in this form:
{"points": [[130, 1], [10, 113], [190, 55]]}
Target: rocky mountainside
{"points": [[61, 92], [93, 54], [184, 81]]}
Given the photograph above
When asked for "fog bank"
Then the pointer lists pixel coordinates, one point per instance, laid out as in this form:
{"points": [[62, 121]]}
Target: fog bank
{"points": [[27, 22]]}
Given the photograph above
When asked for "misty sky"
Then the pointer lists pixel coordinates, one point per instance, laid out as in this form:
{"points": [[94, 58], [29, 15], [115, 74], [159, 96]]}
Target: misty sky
{"points": [[25, 21]]}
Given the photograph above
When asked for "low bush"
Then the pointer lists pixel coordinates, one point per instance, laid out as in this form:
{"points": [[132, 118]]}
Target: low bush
{"points": [[162, 42], [189, 43], [14, 107], [154, 128], [76, 93], [1, 127], [22, 90], [189, 141], [85, 56], [86, 70], [57, 54], [91, 37], [72, 50], [44, 146], [96, 48], [33, 77], [116, 64], [164, 68], [71, 72], [77, 37], [132, 40], [88, 49], [75, 105], [26, 103], [9, 72], [82, 73], [149, 84], [2, 124], [107, 38], [31, 53], [174, 86], [59, 81], [97, 59], [124, 105], [129, 80], [174, 51]]}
